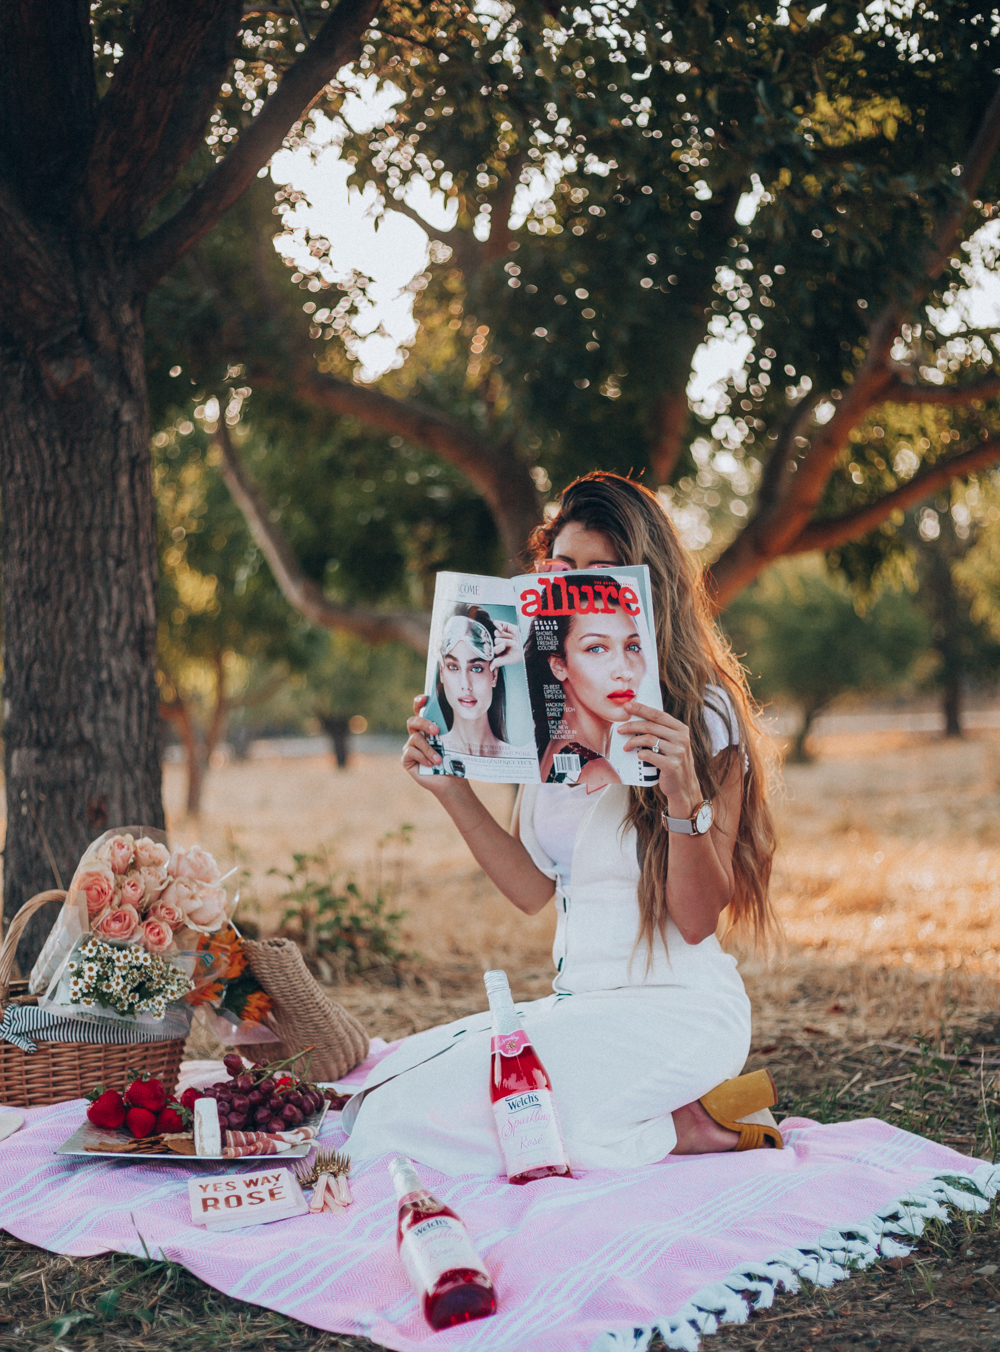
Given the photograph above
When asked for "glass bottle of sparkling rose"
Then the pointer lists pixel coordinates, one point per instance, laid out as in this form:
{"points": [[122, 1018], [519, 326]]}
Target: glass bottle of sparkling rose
{"points": [[443, 1266], [521, 1093]]}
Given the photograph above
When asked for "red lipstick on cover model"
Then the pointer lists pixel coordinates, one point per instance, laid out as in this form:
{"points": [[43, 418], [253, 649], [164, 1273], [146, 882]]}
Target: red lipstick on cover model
{"points": [[622, 696]]}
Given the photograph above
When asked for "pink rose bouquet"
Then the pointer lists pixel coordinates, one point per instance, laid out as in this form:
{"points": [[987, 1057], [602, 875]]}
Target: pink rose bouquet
{"points": [[137, 891], [131, 893], [156, 936], [195, 863], [120, 923], [98, 887], [131, 890], [170, 915]]}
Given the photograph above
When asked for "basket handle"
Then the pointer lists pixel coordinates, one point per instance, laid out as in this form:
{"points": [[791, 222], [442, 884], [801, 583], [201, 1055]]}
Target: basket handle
{"points": [[14, 931]]}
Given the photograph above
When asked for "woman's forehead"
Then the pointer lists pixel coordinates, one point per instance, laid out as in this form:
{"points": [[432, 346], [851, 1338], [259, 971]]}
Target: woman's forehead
{"points": [[464, 652], [584, 546], [617, 625]]}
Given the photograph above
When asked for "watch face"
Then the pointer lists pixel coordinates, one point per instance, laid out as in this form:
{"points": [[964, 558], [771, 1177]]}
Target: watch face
{"points": [[703, 819]]}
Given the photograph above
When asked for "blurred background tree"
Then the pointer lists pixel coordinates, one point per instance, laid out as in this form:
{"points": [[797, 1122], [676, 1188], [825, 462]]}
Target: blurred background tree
{"points": [[350, 687], [804, 643], [227, 638]]}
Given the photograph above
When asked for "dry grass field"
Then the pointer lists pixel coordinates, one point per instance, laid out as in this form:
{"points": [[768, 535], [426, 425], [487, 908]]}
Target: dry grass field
{"points": [[887, 883], [883, 1001]]}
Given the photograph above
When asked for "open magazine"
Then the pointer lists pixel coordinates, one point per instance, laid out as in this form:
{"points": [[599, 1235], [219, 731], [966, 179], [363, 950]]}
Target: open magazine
{"points": [[528, 677]]}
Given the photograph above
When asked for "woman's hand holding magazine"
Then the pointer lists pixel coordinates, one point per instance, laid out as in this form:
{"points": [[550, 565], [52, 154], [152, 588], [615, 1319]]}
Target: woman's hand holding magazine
{"points": [[419, 751], [664, 742]]}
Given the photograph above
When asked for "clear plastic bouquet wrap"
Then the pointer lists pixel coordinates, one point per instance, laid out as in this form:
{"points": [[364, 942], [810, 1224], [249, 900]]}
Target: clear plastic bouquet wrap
{"points": [[145, 935]]}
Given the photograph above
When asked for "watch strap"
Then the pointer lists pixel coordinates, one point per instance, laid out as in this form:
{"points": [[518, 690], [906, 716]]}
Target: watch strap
{"points": [[682, 826], [687, 826]]}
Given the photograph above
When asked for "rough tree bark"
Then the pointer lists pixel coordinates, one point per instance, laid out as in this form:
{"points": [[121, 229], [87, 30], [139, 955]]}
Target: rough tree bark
{"points": [[79, 177], [79, 570]]}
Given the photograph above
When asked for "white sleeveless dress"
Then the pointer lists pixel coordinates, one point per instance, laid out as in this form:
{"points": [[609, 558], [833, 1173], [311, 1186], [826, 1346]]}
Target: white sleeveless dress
{"points": [[624, 1044]]}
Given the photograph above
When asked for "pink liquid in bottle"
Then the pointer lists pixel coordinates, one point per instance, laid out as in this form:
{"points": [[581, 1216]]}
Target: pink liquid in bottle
{"points": [[443, 1266], [521, 1094]]}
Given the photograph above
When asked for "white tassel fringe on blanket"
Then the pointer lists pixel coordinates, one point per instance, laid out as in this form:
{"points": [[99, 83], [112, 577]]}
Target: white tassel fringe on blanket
{"points": [[834, 1256]]}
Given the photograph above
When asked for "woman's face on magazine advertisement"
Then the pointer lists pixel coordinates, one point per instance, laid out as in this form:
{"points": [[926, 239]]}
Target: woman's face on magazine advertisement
{"points": [[468, 681], [604, 664]]}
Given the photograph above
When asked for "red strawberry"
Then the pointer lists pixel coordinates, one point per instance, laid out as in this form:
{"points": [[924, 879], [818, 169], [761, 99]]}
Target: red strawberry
{"points": [[174, 1117], [190, 1097], [107, 1110], [143, 1093], [140, 1121]]}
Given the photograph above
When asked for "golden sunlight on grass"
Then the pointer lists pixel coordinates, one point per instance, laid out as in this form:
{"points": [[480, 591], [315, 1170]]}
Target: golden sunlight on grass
{"points": [[886, 883]]}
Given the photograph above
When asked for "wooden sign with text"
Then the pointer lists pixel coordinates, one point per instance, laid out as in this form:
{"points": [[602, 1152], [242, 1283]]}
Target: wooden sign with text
{"points": [[245, 1199]]}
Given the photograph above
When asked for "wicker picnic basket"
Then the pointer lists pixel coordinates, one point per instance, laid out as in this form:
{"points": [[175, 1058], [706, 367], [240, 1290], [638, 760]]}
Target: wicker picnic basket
{"points": [[68, 1070], [303, 1015]]}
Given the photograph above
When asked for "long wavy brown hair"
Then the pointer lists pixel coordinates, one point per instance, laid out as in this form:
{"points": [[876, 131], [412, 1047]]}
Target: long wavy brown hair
{"points": [[692, 655]]}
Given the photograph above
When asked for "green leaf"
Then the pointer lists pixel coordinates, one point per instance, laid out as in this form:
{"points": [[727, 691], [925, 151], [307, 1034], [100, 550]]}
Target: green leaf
{"points": [[65, 1322], [107, 1303]]}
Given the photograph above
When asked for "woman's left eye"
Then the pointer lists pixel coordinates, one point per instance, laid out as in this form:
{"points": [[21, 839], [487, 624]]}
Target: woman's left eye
{"points": [[477, 669], [635, 647], [596, 648]]}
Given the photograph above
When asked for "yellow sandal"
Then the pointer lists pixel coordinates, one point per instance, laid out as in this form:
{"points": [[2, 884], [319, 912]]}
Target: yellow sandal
{"points": [[746, 1097]]}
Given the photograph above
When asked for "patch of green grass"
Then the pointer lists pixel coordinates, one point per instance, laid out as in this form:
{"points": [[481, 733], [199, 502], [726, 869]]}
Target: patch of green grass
{"points": [[124, 1302]]}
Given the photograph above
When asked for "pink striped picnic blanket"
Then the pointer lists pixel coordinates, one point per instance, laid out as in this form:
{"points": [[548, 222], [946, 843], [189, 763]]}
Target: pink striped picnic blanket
{"points": [[593, 1264]]}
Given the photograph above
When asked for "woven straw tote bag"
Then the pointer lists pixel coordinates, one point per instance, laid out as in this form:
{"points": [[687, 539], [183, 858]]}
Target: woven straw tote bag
{"points": [[67, 1070], [303, 1015]]}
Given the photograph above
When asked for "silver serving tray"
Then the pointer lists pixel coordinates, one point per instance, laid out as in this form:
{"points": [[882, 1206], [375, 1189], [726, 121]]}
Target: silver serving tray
{"points": [[88, 1134]]}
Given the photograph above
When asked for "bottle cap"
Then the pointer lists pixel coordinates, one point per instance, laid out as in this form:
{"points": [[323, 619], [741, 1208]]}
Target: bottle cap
{"points": [[405, 1178], [496, 982]]}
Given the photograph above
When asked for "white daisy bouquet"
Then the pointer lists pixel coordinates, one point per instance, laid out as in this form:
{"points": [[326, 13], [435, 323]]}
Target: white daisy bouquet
{"points": [[127, 979]]}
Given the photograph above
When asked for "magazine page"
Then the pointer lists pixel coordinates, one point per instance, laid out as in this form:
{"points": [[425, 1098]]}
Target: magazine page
{"points": [[476, 689], [589, 649]]}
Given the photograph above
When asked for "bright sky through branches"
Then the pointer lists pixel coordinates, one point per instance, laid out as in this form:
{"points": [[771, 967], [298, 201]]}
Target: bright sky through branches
{"points": [[368, 237]]}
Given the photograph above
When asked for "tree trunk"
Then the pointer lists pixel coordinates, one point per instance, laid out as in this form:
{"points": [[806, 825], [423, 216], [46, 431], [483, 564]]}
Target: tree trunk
{"points": [[195, 755], [951, 706], [79, 581], [335, 727], [220, 711], [798, 754]]}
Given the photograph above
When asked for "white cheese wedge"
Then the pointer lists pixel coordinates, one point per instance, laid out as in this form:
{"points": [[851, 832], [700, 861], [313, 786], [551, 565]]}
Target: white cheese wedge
{"points": [[207, 1132]]}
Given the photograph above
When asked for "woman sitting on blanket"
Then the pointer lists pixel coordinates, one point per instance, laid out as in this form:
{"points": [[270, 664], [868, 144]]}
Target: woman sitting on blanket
{"points": [[649, 1018]]}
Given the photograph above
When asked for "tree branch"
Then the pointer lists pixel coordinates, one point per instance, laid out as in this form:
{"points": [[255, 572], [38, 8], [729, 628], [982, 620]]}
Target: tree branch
{"points": [[300, 591], [977, 161], [830, 534], [672, 414], [153, 116], [336, 44], [783, 519], [902, 392], [493, 468], [468, 253], [500, 232]]}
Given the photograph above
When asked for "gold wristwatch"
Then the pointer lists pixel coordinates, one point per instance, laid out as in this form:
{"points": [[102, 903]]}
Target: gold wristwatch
{"points": [[698, 824]]}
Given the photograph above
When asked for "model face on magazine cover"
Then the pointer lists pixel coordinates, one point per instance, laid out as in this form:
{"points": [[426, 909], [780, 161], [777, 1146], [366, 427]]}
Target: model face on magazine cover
{"points": [[604, 665], [468, 683]]}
